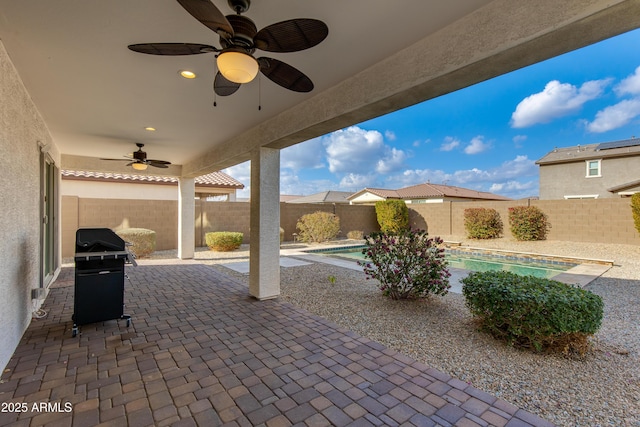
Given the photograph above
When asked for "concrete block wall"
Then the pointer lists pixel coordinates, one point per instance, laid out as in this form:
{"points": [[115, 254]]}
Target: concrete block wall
{"points": [[221, 216], [357, 218], [160, 216], [595, 221], [290, 213]]}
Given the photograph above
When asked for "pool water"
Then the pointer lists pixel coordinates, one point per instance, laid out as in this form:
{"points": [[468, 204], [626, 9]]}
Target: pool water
{"points": [[474, 262]]}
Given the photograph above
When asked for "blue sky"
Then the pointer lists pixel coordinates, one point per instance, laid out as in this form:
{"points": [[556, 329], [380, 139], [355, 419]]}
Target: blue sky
{"points": [[486, 137]]}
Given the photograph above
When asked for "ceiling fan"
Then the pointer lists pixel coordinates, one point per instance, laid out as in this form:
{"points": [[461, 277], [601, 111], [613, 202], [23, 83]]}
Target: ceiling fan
{"points": [[239, 38], [138, 160]]}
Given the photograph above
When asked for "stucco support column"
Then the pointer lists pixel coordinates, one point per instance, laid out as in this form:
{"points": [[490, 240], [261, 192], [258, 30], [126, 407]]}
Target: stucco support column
{"points": [[186, 217], [264, 252]]}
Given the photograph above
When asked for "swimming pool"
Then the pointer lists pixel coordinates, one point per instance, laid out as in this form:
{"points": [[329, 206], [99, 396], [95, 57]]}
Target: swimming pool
{"points": [[475, 261]]}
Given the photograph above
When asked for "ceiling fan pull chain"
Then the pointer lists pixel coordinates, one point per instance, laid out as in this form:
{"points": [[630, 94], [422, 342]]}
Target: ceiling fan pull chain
{"points": [[259, 93], [215, 68]]}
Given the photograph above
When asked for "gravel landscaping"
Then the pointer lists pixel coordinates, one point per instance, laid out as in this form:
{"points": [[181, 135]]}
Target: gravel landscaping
{"points": [[603, 389]]}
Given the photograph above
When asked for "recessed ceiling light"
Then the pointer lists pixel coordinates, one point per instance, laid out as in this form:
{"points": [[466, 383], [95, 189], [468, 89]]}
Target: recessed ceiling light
{"points": [[188, 74], [150, 129]]}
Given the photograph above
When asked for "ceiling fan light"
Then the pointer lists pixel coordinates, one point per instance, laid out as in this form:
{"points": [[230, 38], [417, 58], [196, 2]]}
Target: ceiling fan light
{"points": [[139, 166], [238, 67]]}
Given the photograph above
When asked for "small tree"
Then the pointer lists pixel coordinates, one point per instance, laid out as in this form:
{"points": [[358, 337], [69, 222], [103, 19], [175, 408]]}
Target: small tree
{"points": [[635, 210], [408, 264], [528, 223], [392, 215], [482, 223], [318, 227]]}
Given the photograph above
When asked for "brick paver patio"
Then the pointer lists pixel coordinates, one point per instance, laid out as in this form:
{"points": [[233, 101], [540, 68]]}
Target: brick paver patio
{"points": [[201, 352]]}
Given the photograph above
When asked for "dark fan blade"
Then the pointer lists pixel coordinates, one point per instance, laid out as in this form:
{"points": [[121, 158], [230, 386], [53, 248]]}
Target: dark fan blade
{"points": [[157, 165], [224, 87], [120, 160], [291, 36], [160, 162], [285, 75], [172, 48], [130, 163], [207, 13]]}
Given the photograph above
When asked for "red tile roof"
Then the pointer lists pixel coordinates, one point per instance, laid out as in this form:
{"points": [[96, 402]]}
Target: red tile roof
{"points": [[214, 179], [428, 190]]}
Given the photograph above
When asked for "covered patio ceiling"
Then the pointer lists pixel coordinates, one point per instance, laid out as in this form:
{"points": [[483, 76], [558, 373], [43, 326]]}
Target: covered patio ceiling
{"points": [[97, 97]]}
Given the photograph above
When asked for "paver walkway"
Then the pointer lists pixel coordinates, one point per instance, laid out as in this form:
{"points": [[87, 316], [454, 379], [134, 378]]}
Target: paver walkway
{"points": [[201, 352]]}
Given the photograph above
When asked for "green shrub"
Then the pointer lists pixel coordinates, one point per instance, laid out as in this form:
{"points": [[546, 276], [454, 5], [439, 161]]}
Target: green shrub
{"points": [[355, 235], [392, 215], [143, 241], [408, 264], [528, 223], [531, 312], [224, 241], [635, 210], [318, 227], [482, 223]]}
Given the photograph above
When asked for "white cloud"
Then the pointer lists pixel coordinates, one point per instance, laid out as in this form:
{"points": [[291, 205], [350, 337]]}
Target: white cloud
{"points": [[515, 189], [390, 135], [511, 170], [477, 145], [391, 162], [556, 100], [630, 85], [305, 155], [359, 151], [356, 182], [449, 143], [615, 116], [291, 184]]}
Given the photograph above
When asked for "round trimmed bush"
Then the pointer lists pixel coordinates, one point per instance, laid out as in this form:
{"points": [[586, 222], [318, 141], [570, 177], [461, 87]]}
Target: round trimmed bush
{"points": [[318, 227], [482, 223], [143, 241], [224, 241], [528, 223], [532, 312]]}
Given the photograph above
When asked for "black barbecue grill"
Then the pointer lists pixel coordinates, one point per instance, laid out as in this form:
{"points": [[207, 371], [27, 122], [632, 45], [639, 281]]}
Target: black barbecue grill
{"points": [[99, 277]]}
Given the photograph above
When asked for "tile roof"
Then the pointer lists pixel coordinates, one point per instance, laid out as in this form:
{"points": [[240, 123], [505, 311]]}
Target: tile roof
{"points": [[428, 190], [627, 147], [324, 197], [214, 179]]}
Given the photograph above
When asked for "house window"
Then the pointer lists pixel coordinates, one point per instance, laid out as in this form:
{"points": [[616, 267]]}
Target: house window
{"points": [[581, 196], [593, 168]]}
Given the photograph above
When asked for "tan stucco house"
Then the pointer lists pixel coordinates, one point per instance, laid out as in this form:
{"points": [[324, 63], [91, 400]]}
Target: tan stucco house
{"points": [[594, 171], [422, 193]]}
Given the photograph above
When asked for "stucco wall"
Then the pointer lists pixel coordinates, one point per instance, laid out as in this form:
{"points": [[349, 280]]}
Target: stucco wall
{"points": [[569, 179], [21, 129]]}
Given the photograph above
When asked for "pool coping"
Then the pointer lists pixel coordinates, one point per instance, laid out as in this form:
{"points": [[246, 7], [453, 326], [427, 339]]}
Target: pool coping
{"points": [[586, 270]]}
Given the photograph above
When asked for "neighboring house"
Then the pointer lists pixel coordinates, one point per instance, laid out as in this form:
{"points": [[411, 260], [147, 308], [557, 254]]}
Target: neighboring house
{"points": [[213, 186], [594, 171], [329, 197], [423, 193]]}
